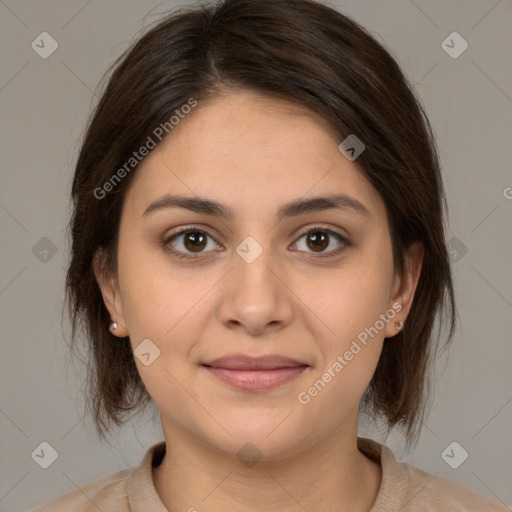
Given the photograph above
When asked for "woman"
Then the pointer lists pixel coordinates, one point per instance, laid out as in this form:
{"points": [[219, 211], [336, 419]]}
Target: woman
{"points": [[258, 248]]}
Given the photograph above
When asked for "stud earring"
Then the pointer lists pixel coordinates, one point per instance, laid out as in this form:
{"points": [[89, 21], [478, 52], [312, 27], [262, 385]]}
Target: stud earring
{"points": [[113, 326], [399, 325]]}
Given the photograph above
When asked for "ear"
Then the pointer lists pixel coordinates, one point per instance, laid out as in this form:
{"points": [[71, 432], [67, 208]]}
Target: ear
{"points": [[404, 286], [110, 293]]}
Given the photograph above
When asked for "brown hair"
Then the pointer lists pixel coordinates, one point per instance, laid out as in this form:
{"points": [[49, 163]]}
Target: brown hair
{"points": [[297, 50]]}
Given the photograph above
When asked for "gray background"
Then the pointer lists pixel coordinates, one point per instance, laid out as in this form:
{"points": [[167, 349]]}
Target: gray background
{"points": [[44, 105]]}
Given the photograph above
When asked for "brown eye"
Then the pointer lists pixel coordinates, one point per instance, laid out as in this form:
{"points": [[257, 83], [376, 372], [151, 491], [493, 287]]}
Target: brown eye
{"points": [[189, 243], [318, 239], [194, 241]]}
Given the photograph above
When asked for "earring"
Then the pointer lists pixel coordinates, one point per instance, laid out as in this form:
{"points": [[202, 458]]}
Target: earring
{"points": [[113, 326], [399, 325]]}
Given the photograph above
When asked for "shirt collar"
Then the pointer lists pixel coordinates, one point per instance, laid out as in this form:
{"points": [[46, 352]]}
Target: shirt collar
{"points": [[143, 497]]}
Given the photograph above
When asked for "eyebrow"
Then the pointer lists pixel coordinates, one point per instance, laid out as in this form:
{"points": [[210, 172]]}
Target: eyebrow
{"points": [[292, 209]]}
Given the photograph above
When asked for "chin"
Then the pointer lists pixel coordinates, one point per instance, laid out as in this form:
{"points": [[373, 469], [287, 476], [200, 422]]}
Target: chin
{"points": [[262, 439]]}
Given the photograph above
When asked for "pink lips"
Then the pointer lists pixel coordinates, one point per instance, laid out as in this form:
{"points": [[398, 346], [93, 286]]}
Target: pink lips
{"points": [[255, 374]]}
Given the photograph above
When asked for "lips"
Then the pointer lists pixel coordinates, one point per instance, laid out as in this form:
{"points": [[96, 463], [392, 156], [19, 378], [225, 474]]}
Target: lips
{"points": [[255, 373], [242, 362]]}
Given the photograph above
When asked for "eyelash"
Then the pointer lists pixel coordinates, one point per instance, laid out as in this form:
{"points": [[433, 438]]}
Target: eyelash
{"points": [[196, 229]]}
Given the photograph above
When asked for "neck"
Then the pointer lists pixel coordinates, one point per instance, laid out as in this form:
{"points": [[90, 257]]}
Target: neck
{"points": [[332, 475]]}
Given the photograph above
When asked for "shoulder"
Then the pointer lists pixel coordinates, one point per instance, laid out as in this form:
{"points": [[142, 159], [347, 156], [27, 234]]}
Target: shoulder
{"points": [[430, 492], [107, 493], [407, 488], [129, 489]]}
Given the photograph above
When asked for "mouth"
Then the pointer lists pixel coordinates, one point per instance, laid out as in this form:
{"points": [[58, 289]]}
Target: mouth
{"points": [[255, 374]]}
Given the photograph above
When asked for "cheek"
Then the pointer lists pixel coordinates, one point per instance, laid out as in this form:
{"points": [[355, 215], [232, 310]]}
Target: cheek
{"points": [[168, 310], [349, 358], [351, 332], [349, 299], [157, 301]]}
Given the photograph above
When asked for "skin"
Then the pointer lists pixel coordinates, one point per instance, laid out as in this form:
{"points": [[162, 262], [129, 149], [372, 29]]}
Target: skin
{"points": [[254, 154]]}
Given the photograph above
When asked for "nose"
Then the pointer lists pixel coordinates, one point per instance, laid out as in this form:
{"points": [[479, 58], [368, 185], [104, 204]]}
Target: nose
{"points": [[255, 297]]}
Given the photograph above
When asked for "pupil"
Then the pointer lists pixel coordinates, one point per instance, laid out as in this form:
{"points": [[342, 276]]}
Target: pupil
{"points": [[197, 240], [317, 236]]}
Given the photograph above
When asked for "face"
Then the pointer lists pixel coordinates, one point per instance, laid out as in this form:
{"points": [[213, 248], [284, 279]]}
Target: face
{"points": [[313, 285]]}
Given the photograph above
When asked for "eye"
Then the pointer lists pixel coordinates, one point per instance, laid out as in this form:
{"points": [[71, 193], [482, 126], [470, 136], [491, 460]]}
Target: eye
{"points": [[318, 238], [191, 242], [188, 241]]}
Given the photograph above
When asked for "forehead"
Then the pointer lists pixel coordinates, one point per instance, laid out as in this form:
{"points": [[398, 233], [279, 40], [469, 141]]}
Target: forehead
{"points": [[250, 151]]}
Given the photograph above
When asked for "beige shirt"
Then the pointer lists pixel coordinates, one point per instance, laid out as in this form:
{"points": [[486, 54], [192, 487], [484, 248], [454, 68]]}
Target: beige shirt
{"points": [[403, 488]]}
